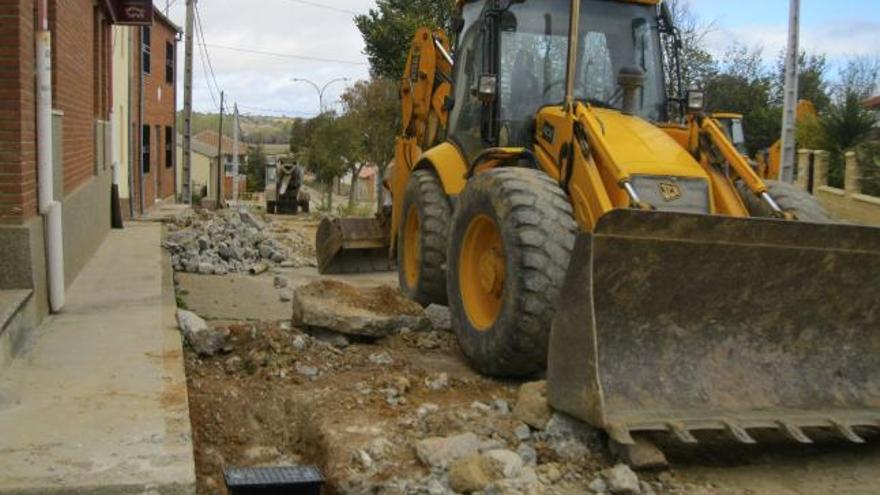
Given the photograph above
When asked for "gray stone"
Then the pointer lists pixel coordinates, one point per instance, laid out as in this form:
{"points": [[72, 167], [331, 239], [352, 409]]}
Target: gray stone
{"points": [[440, 318], [528, 453], [250, 219], [381, 358], [531, 405], [280, 282], [440, 452], [598, 486], [502, 406], [572, 439], [285, 295], [300, 342], [203, 339], [522, 431], [206, 268], [437, 382], [621, 480], [306, 371], [507, 463]]}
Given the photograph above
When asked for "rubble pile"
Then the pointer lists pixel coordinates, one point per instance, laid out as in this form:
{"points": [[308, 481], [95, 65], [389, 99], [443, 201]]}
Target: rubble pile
{"points": [[229, 241]]}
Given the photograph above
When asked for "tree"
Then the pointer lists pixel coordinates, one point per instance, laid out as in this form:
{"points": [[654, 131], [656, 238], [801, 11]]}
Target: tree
{"points": [[328, 142], [859, 77], [374, 107], [256, 168], [812, 83], [299, 136], [743, 85], [388, 29], [697, 64]]}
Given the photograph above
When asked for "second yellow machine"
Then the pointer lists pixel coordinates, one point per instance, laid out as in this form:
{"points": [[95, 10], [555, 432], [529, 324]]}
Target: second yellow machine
{"points": [[577, 218]]}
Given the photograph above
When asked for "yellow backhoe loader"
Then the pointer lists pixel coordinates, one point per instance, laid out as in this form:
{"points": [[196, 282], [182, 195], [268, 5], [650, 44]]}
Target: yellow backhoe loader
{"points": [[544, 192]]}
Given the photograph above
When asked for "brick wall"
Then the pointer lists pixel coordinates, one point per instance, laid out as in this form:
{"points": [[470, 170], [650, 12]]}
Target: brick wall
{"points": [[78, 60], [18, 198]]}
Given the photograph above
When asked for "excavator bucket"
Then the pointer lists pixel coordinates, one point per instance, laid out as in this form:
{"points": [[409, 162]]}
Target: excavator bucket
{"points": [[352, 245], [680, 323]]}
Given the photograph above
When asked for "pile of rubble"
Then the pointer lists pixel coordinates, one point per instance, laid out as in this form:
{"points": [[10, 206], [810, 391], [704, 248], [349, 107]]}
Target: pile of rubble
{"points": [[229, 241]]}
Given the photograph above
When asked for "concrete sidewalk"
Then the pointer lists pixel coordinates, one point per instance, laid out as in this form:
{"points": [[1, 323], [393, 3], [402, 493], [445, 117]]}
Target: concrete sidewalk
{"points": [[97, 401]]}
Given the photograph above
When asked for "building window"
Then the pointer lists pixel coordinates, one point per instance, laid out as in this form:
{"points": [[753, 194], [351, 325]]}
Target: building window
{"points": [[169, 63], [146, 49], [159, 147], [145, 149], [169, 147]]}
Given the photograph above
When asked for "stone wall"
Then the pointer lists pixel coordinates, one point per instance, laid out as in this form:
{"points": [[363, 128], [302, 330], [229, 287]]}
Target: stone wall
{"points": [[848, 203]]}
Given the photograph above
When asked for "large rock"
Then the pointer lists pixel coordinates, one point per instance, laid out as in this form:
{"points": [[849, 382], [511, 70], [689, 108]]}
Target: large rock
{"points": [[440, 452], [206, 341], [470, 474], [339, 307], [621, 480], [475, 473], [440, 318], [531, 405]]}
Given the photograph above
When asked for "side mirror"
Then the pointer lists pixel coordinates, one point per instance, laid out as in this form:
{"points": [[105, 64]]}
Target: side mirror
{"points": [[666, 15], [696, 101], [630, 79]]}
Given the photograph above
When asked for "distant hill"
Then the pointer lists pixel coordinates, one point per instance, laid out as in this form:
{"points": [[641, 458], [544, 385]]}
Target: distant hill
{"points": [[256, 129]]}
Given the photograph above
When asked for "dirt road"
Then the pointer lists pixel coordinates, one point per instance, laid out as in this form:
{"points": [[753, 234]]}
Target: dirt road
{"points": [[359, 409]]}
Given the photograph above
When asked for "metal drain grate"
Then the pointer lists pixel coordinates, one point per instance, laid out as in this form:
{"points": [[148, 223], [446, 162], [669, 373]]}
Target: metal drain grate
{"points": [[281, 480]]}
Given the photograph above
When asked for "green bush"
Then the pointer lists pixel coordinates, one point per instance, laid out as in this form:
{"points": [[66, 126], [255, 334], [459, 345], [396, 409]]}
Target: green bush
{"points": [[869, 166]]}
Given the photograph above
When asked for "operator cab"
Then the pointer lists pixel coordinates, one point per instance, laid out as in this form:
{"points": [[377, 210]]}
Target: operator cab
{"points": [[524, 45]]}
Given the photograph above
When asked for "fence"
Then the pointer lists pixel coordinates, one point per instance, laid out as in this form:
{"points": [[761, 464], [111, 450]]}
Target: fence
{"points": [[849, 203]]}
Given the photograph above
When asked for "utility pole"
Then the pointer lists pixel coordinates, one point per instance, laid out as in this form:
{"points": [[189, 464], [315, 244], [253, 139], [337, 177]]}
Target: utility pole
{"points": [[235, 156], [188, 104], [221, 170], [789, 113]]}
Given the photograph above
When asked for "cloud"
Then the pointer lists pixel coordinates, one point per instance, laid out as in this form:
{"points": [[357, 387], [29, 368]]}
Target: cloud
{"points": [[279, 26], [837, 39]]}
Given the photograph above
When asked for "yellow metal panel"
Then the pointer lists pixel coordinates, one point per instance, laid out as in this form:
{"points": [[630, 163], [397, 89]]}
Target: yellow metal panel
{"points": [[449, 164]]}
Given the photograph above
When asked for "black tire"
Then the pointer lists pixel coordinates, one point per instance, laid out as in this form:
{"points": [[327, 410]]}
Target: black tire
{"points": [[270, 207], [538, 233], [426, 193], [790, 198]]}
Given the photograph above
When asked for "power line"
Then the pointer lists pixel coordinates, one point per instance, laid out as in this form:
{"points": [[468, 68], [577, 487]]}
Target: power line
{"points": [[287, 55], [201, 32], [207, 77], [326, 7]]}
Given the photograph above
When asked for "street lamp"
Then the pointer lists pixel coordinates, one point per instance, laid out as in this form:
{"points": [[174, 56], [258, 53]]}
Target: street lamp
{"points": [[320, 90]]}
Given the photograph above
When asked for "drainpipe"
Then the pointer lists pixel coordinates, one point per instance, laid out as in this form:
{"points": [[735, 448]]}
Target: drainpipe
{"points": [[49, 208], [140, 56], [132, 149]]}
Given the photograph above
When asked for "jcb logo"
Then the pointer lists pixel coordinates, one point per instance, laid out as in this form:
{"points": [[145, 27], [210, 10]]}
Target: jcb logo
{"points": [[670, 192]]}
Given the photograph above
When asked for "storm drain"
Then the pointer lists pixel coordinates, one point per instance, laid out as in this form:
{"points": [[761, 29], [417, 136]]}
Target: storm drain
{"points": [[286, 480]]}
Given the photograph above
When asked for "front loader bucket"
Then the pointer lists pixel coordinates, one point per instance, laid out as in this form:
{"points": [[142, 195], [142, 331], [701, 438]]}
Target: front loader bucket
{"points": [[681, 323], [352, 245]]}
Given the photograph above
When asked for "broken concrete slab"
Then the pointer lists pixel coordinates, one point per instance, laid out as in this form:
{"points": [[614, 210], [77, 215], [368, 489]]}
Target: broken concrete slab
{"points": [[372, 312]]}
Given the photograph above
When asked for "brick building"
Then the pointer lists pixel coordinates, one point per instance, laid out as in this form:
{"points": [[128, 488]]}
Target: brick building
{"points": [[48, 233], [153, 136]]}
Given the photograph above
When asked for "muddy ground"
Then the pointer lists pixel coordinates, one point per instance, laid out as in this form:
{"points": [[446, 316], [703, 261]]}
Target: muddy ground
{"points": [[357, 408]]}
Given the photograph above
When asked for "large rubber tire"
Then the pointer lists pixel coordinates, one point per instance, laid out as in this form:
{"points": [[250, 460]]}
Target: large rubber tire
{"points": [[423, 279], [537, 230], [790, 198]]}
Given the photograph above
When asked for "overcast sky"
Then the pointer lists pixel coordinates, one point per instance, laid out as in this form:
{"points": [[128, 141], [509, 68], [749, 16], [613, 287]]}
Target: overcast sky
{"points": [[261, 84]]}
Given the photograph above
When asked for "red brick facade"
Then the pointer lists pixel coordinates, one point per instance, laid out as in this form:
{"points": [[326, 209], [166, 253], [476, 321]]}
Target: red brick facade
{"points": [[81, 90], [156, 127]]}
